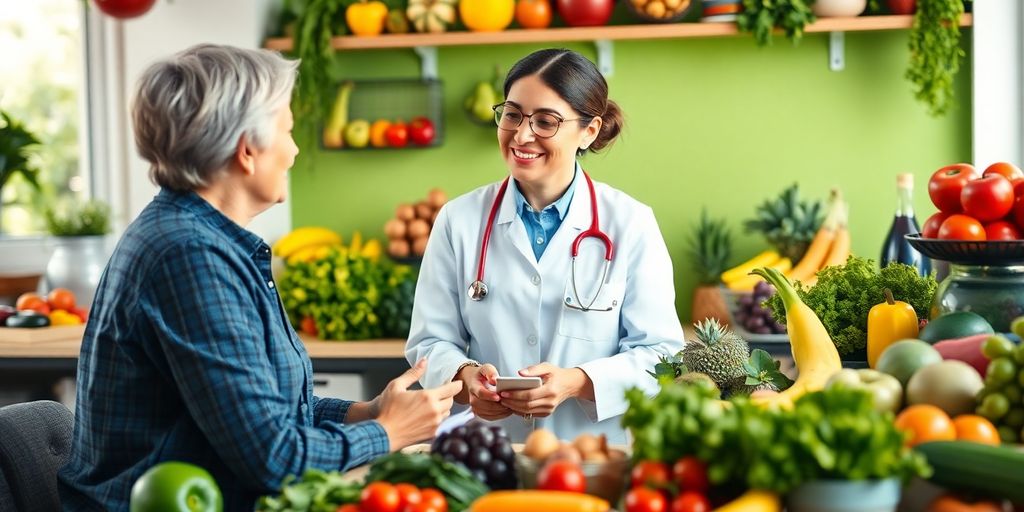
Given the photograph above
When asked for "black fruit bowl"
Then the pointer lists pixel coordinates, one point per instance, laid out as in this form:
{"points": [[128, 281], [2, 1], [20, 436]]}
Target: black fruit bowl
{"points": [[961, 252]]}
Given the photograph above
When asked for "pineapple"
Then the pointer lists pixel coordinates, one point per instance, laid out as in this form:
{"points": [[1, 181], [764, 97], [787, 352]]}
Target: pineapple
{"points": [[717, 352], [787, 223], [709, 247]]}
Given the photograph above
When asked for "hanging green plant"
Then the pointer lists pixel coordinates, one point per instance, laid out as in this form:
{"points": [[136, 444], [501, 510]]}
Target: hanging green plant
{"points": [[761, 17], [935, 52]]}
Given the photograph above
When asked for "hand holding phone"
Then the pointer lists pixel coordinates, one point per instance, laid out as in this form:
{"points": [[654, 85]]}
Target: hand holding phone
{"points": [[517, 383]]}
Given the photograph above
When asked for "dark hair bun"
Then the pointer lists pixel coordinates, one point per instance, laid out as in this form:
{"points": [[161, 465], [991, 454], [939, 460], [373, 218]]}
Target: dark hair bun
{"points": [[610, 127]]}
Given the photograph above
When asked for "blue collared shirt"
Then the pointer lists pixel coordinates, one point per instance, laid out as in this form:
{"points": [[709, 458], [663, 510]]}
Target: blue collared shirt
{"points": [[542, 225], [188, 355]]}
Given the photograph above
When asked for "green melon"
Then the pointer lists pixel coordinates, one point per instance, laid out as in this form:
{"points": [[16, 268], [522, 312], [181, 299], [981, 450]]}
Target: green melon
{"points": [[958, 324], [905, 357]]}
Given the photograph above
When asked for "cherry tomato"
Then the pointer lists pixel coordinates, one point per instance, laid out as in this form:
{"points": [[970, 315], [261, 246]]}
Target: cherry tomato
{"points": [[650, 473], [987, 199], [380, 497], [533, 13], [434, 499], [947, 183], [409, 495], [642, 499], [1001, 230], [690, 474], [931, 226], [562, 475], [1004, 169], [962, 227], [691, 501]]}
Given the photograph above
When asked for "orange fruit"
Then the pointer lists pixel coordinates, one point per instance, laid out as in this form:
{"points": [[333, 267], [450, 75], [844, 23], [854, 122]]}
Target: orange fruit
{"points": [[925, 423], [26, 298], [971, 427], [61, 298]]}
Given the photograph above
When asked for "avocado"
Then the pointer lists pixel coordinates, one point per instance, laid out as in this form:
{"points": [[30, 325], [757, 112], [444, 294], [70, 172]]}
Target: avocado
{"points": [[958, 324]]}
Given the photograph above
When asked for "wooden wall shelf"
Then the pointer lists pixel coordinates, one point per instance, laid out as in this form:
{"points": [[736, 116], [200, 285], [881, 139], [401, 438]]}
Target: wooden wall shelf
{"points": [[612, 33]]}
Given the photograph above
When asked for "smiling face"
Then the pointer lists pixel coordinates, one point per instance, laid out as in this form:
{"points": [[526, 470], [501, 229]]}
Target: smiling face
{"points": [[542, 162]]}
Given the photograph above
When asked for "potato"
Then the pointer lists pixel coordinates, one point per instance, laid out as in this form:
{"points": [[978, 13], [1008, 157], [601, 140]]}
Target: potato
{"points": [[639, 3], [424, 210], [540, 444], [419, 246], [418, 228], [433, 218], [405, 212], [672, 4], [398, 248], [394, 228], [437, 198], [655, 9], [587, 444], [565, 452], [595, 457]]}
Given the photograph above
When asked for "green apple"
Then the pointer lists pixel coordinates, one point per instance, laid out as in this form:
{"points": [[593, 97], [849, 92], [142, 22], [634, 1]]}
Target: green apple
{"points": [[357, 133], [885, 389], [176, 486]]}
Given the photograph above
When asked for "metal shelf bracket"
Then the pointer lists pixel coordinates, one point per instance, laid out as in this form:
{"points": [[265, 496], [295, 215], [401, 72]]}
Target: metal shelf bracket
{"points": [[836, 51], [428, 61], [605, 56]]}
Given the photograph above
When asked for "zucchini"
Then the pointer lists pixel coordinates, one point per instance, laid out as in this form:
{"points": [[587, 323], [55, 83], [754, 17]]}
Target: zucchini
{"points": [[28, 319], [995, 471]]}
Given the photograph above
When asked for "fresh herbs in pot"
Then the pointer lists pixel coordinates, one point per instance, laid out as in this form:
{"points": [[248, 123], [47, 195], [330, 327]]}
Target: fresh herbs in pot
{"points": [[761, 17], [935, 52]]}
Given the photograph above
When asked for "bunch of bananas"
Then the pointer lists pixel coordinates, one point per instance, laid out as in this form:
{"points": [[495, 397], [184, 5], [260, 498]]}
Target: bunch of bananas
{"points": [[787, 223], [310, 243]]}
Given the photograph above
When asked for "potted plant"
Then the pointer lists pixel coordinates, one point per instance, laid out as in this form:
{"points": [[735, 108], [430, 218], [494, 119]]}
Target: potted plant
{"points": [[16, 147], [709, 248], [935, 52], [80, 229]]}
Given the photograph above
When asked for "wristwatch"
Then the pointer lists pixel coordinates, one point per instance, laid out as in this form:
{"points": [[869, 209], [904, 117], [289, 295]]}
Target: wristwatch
{"points": [[463, 365]]}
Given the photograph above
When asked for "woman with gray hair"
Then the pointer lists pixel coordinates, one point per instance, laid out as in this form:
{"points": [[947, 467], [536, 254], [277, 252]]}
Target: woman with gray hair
{"points": [[188, 354]]}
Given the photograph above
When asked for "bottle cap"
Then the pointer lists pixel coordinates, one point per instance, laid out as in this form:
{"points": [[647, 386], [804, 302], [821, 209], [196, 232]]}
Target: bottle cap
{"points": [[905, 180]]}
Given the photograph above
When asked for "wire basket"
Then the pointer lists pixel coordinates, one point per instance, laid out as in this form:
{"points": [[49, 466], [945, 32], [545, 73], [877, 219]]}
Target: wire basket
{"points": [[963, 252], [396, 99]]}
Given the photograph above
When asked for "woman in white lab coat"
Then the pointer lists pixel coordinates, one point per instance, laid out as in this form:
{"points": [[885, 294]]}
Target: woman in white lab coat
{"points": [[590, 341]]}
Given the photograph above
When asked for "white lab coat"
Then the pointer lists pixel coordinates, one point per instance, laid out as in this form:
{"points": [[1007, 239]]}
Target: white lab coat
{"points": [[524, 321]]}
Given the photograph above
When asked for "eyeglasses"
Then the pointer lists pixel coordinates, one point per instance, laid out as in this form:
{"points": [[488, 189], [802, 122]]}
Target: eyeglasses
{"points": [[543, 124]]}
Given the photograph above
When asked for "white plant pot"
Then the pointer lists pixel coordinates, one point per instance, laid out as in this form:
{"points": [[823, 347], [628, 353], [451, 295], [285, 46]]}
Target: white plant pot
{"points": [[839, 8], [77, 264]]}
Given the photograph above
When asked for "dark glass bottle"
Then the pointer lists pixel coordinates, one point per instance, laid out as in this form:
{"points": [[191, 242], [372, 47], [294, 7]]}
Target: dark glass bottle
{"points": [[896, 247]]}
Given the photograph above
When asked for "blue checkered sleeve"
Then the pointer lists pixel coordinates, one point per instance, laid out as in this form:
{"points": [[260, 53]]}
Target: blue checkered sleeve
{"points": [[330, 409], [212, 336]]}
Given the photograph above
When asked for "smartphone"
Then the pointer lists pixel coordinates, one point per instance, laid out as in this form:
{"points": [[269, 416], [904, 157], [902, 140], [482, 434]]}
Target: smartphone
{"points": [[517, 383]]}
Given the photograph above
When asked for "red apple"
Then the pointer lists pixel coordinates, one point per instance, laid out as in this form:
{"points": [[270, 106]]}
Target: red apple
{"points": [[585, 13], [901, 6]]}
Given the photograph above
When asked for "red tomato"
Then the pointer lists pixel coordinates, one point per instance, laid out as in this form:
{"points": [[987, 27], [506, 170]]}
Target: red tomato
{"points": [[421, 131], [308, 326], [987, 199], [642, 499], [690, 474], [397, 135], [434, 499], [945, 186], [931, 226], [562, 475], [691, 501], [348, 508], [650, 473], [124, 8], [961, 227], [1018, 186], [424, 507], [1004, 169], [533, 13], [80, 313], [585, 13], [380, 497], [1001, 230], [409, 495]]}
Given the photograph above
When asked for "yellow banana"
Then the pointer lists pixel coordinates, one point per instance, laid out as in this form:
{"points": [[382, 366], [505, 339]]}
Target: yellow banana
{"points": [[309, 253], [753, 501], [766, 258], [747, 283], [309, 236], [356, 245], [814, 354], [372, 249]]}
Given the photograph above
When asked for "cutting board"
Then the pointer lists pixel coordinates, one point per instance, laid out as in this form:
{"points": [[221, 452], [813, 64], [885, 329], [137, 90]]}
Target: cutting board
{"points": [[41, 334]]}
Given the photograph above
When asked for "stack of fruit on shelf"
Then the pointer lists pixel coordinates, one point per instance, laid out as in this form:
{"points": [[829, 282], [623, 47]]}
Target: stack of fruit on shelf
{"points": [[409, 230], [33, 310], [484, 449], [341, 132], [976, 207]]}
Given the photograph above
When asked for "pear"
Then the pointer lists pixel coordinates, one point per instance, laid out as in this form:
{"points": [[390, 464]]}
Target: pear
{"points": [[479, 103]]}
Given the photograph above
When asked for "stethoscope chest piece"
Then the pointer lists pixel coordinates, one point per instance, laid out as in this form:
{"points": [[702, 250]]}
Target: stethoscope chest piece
{"points": [[477, 290]]}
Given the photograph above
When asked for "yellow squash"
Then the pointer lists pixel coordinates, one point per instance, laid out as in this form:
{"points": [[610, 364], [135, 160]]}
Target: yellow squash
{"points": [[889, 322], [753, 501], [548, 501]]}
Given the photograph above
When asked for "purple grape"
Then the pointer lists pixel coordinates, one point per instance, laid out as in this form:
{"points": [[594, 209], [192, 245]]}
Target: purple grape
{"points": [[497, 470], [764, 329], [478, 459], [502, 450], [755, 322], [482, 438], [741, 316], [745, 300], [455, 447]]}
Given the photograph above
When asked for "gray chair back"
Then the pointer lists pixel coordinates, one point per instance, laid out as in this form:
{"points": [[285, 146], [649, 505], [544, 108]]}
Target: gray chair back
{"points": [[35, 440]]}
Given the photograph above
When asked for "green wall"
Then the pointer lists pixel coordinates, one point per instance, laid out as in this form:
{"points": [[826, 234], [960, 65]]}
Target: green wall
{"points": [[709, 122]]}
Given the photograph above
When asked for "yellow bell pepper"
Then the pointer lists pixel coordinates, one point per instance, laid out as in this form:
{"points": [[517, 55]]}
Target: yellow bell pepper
{"points": [[61, 317], [366, 18], [888, 322]]}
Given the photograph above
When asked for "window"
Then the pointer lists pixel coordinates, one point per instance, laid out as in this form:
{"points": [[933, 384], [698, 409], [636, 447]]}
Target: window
{"points": [[43, 86]]}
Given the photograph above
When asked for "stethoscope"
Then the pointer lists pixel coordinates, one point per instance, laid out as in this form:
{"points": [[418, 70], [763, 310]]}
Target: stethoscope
{"points": [[478, 289]]}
